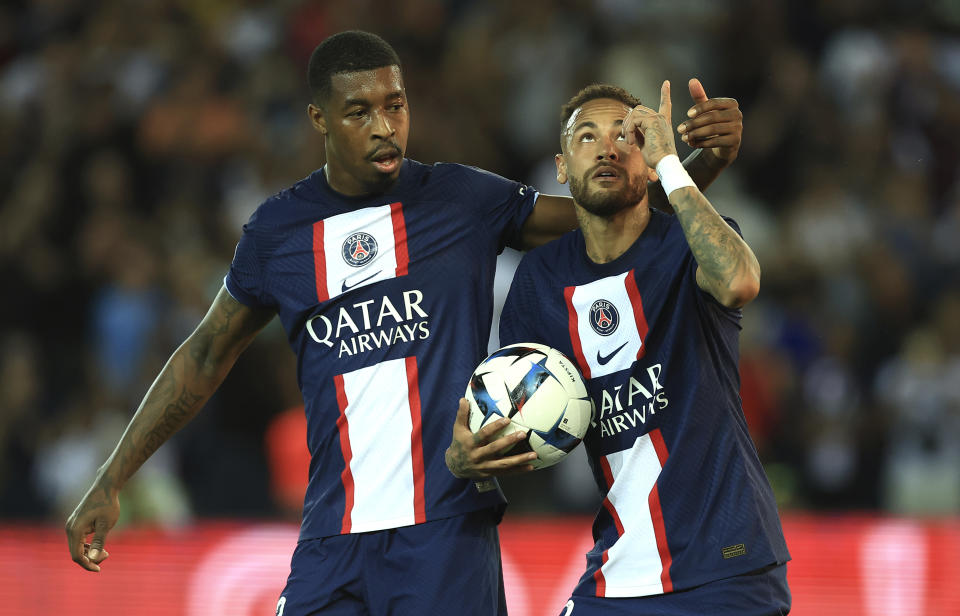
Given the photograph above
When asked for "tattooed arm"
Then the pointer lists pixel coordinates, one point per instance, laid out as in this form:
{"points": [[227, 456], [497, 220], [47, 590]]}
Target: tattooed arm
{"points": [[189, 378], [726, 267]]}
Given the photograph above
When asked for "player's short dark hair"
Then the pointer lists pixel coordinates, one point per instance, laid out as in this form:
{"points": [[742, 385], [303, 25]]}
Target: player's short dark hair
{"points": [[592, 92], [346, 52]]}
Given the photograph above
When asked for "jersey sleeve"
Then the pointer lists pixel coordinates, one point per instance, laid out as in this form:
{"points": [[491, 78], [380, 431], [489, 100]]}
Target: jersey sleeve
{"points": [[504, 204], [519, 316], [244, 281]]}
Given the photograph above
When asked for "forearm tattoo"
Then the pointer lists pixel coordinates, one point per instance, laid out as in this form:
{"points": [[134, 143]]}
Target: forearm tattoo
{"points": [[184, 384], [721, 254], [208, 333]]}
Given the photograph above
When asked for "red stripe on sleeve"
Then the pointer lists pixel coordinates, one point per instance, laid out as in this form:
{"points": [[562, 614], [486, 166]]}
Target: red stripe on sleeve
{"points": [[416, 440], [320, 262], [635, 300], [575, 332], [656, 514], [346, 477], [400, 238]]}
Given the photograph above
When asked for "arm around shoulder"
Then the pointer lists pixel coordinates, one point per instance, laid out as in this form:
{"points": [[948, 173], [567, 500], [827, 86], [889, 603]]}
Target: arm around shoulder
{"points": [[552, 216]]}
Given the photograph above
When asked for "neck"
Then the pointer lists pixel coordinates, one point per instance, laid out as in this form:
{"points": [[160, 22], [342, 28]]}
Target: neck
{"points": [[344, 184], [607, 238]]}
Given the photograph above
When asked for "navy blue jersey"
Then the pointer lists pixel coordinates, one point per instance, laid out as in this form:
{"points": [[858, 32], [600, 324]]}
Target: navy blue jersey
{"points": [[387, 302], [686, 500]]}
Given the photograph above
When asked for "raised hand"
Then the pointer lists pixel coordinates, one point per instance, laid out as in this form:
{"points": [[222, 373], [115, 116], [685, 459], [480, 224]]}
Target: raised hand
{"points": [[480, 455], [715, 124], [651, 130]]}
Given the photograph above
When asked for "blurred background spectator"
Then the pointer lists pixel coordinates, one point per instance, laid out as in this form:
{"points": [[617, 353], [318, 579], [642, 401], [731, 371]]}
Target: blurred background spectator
{"points": [[136, 137]]}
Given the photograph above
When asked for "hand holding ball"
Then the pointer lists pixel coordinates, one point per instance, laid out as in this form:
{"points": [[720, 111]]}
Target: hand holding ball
{"points": [[541, 391]]}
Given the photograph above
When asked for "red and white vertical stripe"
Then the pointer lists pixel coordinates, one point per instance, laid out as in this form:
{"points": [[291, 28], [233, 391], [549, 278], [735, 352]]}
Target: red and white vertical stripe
{"points": [[383, 475], [638, 564], [596, 354], [385, 223]]}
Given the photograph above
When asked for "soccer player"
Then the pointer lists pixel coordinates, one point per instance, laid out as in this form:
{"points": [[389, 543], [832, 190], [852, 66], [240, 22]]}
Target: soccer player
{"points": [[380, 269], [649, 306]]}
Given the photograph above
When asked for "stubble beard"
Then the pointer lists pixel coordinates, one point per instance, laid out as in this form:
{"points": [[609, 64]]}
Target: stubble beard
{"points": [[606, 203]]}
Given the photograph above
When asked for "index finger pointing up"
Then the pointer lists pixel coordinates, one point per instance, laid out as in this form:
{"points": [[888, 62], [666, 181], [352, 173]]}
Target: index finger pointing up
{"points": [[665, 105]]}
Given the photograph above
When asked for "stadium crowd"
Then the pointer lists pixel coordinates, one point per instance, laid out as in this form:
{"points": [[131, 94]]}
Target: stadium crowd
{"points": [[137, 137]]}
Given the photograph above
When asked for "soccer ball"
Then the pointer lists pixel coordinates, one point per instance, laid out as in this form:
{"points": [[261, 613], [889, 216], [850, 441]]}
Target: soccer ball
{"points": [[540, 390]]}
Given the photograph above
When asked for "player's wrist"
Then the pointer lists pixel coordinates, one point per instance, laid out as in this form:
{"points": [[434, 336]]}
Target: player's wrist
{"points": [[718, 163], [109, 480], [672, 174]]}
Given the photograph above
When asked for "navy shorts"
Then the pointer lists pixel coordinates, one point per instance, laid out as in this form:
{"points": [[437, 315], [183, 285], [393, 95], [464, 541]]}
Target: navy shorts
{"points": [[760, 593], [449, 566]]}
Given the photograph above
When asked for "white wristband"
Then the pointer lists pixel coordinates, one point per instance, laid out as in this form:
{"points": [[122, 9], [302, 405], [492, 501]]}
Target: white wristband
{"points": [[672, 174]]}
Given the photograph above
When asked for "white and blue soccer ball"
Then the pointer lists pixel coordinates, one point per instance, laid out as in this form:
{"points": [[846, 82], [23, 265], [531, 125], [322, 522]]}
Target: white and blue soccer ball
{"points": [[540, 390]]}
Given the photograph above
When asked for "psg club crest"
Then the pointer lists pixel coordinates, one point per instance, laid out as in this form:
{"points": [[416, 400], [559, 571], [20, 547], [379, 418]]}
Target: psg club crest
{"points": [[604, 317], [359, 249]]}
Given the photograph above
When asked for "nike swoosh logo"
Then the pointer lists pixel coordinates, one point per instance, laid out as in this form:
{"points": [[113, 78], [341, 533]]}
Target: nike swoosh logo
{"points": [[346, 287], [602, 360]]}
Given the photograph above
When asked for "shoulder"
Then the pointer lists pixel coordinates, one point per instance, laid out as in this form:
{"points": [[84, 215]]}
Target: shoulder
{"points": [[670, 230], [554, 255], [284, 205], [469, 175], [458, 170], [476, 188], [444, 180], [672, 224]]}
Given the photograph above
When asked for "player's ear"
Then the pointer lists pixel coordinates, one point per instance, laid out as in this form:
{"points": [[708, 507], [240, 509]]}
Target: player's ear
{"points": [[652, 175], [561, 168], [317, 118]]}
